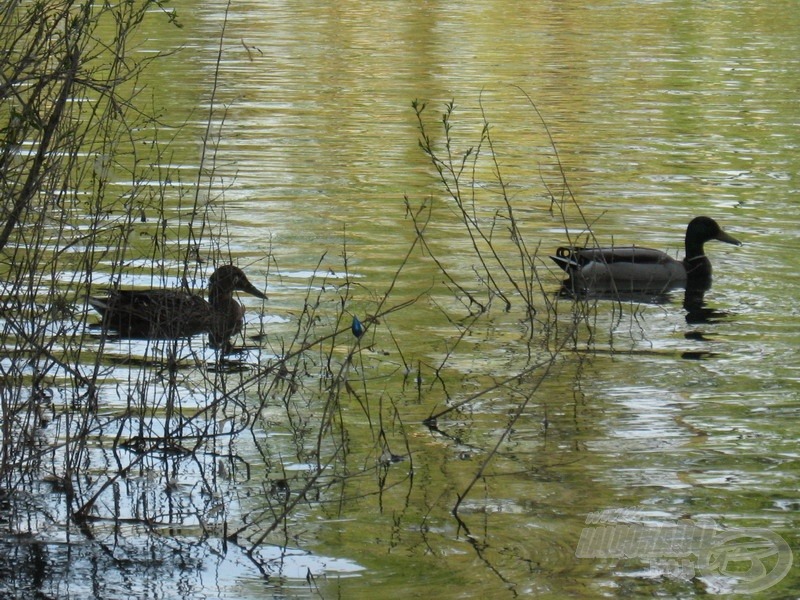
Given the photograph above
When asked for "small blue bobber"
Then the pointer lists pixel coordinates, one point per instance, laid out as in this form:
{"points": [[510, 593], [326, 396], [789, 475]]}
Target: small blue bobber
{"points": [[357, 327]]}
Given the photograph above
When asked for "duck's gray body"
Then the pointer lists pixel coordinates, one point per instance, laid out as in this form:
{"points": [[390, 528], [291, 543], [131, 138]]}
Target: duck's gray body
{"points": [[638, 269], [629, 267]]}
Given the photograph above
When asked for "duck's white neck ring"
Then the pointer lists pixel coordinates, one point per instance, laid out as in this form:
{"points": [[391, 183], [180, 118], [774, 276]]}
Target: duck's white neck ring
{"points": [[701, 257]]}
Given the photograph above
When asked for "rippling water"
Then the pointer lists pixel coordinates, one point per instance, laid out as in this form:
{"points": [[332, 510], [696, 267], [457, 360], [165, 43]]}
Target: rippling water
{"points": [[659, 111]]}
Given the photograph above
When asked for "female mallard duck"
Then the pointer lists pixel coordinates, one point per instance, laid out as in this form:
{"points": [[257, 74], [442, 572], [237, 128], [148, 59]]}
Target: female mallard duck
{"points": [[170, 314], [635, 269]]}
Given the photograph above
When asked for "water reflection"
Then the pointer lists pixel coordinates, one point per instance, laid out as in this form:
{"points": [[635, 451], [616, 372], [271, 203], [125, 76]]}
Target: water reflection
{"points": [[622, 295], [694, 302], [697, 311], [656, 105]]}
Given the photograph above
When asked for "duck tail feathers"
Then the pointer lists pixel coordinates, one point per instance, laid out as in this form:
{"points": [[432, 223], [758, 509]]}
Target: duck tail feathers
{"points": [[565, 259], [99, 304]]}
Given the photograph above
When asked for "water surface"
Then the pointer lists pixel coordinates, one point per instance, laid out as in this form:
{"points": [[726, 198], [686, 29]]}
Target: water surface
{"points": [[659, 111]]}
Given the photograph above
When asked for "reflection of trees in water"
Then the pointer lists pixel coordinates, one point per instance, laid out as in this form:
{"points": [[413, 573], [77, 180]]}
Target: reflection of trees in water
{"points": [[140, 452]]}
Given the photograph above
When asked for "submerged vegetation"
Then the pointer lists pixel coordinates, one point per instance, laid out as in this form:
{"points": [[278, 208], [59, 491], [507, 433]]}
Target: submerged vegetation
{"points": [[141, 449]]}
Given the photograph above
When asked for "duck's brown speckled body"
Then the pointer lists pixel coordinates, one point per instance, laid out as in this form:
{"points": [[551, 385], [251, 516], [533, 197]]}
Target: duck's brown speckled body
{"points": [[170, 314]]}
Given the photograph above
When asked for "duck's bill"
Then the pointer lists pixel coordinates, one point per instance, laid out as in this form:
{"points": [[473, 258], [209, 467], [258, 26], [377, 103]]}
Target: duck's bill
{"points": [[249, 288], [728, 239]]}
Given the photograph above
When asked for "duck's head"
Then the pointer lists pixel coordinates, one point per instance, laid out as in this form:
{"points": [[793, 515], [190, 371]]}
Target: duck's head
{"points": [[703, 229], [228, 279]]}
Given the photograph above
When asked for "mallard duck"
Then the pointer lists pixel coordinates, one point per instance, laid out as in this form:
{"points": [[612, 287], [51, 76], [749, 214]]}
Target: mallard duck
{"points": [[171, 314], [632, 268]]}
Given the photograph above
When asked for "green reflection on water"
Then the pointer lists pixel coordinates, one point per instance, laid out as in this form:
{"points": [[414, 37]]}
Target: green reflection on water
{"points": [[660, 111]]}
